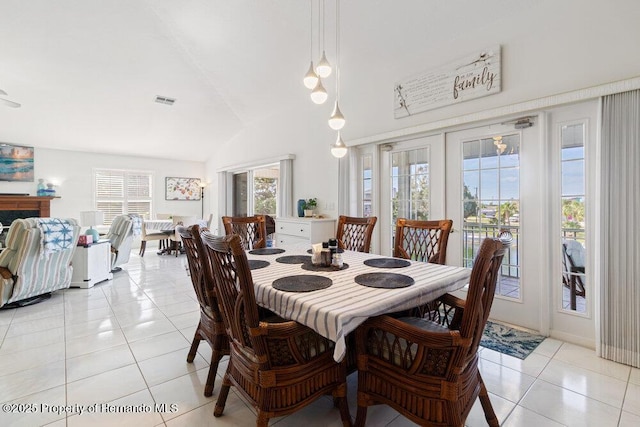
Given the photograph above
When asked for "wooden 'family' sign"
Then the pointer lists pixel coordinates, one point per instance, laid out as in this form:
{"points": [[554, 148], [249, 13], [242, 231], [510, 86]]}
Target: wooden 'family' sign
{"points": [[470, 77]]}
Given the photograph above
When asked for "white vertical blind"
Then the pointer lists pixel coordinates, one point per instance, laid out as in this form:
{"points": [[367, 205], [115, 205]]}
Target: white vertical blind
{"points": [[620, 248], [122, 192]]}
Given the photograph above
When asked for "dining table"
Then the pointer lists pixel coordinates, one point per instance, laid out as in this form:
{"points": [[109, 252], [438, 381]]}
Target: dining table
{"points": [[284, 283], [167, 227], [159, 225]]}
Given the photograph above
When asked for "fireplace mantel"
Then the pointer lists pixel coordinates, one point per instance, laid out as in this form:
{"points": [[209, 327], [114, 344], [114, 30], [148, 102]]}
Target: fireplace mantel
{"points": [[27, 203]]}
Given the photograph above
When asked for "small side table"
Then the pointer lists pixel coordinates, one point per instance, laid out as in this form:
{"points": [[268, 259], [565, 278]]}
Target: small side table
{"points": [[91, 264]]}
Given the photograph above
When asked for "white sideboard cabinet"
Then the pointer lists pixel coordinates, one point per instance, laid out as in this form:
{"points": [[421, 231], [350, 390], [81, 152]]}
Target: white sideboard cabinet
{"points": [[304, 230]]}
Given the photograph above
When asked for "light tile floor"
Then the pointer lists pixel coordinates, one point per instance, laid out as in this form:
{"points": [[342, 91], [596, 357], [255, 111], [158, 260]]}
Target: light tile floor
{"points": [[75, 359]]}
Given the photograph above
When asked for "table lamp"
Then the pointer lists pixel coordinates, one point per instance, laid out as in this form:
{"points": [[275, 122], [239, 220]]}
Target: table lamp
{"points": [[92, 218]]}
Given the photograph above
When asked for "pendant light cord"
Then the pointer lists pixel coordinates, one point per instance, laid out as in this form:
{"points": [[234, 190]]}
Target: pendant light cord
{"points": [[319, 27], [311, 29], [337, 49], [323, 23]]}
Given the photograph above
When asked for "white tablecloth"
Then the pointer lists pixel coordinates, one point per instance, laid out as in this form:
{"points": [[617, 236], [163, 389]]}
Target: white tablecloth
{"points": [[336, 311], [158, 224], [166, 224]]}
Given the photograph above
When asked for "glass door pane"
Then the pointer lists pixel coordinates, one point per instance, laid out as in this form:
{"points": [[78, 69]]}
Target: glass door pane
{"points": [[367, 185], [573, 217], [410, 185], [240, 207], [491, 202], [265, 190]]}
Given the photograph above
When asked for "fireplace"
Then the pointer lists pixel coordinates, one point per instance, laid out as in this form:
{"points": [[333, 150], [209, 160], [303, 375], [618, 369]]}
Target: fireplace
{"points": [[13, 207]]}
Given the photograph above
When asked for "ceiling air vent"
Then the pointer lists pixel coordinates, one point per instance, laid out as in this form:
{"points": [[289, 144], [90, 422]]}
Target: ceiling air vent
{"points": [[165, 100]]}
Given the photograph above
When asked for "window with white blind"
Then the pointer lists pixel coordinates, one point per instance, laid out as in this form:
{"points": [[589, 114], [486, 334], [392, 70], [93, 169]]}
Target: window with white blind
{"points": [[120, 192]]}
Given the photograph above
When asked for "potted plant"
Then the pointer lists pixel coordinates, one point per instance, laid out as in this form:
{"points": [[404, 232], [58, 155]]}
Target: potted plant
{"points": [[309, 206]]}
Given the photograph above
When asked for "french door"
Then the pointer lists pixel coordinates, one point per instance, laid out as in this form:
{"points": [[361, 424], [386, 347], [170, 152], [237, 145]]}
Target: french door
{"points": [[538, 183], [494, 184], [411, 184]]}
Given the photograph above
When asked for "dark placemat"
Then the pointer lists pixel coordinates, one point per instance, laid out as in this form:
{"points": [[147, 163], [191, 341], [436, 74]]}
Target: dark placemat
{"points": [[310, 267], [294, 259], [384, 280], [387, 262], [340, 250], [302, 283], [266, 251], [255, 264]]}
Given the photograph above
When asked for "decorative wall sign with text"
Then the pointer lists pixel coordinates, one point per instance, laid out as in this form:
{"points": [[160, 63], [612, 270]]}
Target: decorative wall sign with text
{"points": [[473, 76]]}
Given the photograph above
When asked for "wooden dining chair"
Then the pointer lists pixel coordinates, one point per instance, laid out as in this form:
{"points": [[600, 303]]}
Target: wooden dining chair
{"points": [[278, 365], [210, 327], [422, 240], [252, 230], [354, 234], [427, 368]]}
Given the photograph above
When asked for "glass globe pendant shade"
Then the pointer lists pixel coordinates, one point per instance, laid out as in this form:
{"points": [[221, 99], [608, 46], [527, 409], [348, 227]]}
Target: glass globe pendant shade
{"points": [[318, 94], [311, 78], [336, 121], [324, 68], [338, 149]]}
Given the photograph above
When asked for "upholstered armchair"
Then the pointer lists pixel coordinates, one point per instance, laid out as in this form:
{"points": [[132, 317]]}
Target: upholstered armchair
{"points": [[121, 237], [36, 260]]}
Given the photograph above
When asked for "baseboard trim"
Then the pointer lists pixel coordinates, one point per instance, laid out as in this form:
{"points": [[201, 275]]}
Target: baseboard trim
{"points": [[573, 339]]}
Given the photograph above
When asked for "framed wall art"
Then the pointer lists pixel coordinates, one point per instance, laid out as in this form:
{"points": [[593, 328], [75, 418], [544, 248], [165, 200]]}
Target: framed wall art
{"points": [[182, 188], [16, 163]]}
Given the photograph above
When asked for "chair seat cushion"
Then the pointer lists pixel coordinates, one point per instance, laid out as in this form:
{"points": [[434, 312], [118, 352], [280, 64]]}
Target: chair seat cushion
{"points": [[424, 324]]}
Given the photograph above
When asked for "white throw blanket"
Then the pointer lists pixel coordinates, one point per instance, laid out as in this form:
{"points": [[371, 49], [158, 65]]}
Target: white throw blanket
{"points": [[56, 235]]}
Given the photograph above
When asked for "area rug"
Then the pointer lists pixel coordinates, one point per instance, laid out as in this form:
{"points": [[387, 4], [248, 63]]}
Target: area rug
{"points": [[506, 340]]}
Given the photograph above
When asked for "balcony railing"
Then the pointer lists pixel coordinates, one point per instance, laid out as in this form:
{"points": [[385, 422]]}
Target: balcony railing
{"points": [[474, 233]]}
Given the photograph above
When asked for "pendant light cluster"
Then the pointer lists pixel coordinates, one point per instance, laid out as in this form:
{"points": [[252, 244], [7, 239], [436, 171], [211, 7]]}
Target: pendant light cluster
{"points": [[313, 78]]}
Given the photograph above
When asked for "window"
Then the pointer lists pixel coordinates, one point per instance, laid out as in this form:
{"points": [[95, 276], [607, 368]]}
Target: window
{"points": [[265, 190], [491, 201], [121, 192], [573, 217], [367, 185], [262, 184], [410, 185]]}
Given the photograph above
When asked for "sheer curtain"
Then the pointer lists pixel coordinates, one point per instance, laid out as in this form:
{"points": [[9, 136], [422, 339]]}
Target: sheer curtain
{"points": [[620, 225]]}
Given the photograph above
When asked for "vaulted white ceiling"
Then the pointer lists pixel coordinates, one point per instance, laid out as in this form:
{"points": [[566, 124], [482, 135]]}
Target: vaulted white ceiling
{"points": [[87, 71]]}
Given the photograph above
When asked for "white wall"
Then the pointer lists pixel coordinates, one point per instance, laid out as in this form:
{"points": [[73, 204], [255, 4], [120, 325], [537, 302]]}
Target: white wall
{"points": [[548, 48], [308, 137], [73, 171]]}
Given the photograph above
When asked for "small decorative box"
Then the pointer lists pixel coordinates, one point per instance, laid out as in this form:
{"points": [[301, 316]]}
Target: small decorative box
{"points": [[85, 240]]}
